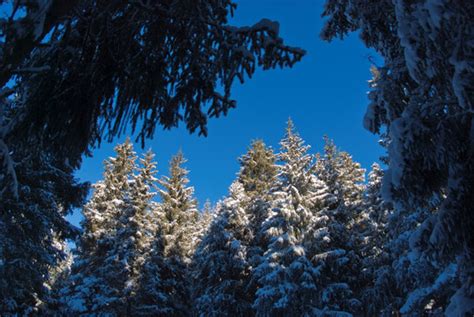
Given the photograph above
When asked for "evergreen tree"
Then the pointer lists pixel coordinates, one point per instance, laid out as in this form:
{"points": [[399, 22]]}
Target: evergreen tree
{"points": [[178, 209], [418, 98], [258, 175], [221, 266], [151, 285], [49, 51], [50, 58], [32, 226], [231, 239], [343, 176], [288, 282], [376, 286], [100, 271], [333, 246], [398, 274], [58, 277], [136, 230], [179, 217], [206, 217], [157, 288], [257, 169], [423, 284]]}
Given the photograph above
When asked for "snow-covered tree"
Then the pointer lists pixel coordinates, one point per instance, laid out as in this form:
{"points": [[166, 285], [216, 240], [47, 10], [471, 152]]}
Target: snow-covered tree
{"points": [[398, 275], [136, 229], [420, 282], [158, 293], [343, 176], [32, 226], [421, 98], [232, 238], [52, 62], [258, 175], [178, 224], [49, 51], [58, 277], [286, 277], [49, 57], [151, 288], [333, 243], [206, 216], [178, 210], [100, 271], [221, 269], [376, 286]]}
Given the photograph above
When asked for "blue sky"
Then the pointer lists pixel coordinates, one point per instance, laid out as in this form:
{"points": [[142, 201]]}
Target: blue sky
{"points": [[326, 93]]}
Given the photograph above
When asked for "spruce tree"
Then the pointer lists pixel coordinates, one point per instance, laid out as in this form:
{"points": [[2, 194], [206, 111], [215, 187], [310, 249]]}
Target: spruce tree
{"points": [[178, 209], [257, 169], [178, 220], [343, 176], [424, 283], [419, 98], [33, 229], [206, 217], [398, 275], [99, 273], [58, 276], [376, 286], [258, 175], [157, 288], [232, 238], [333, 246], [136, 230], [221, 267], [287, 280]]}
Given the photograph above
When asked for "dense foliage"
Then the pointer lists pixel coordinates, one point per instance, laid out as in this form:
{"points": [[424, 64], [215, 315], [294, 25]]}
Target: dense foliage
{"points": [[312, 239], [421, 100], [73, 72], [88, 69], [299, 233]]}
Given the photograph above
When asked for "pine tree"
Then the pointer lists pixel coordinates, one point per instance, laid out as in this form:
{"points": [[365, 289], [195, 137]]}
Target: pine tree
{"points": [[333, 246], [288, 282], [375, 284], [258, 175], [402, 277], [58, 277], [206, 217], [231, 239], [418, 98], [424, 283], [99, 273], [179, 210], [257, 169], [157, 287], [33, 228], [179, 216], [343, 176], [221, 267], [155, 279], [51, 60], [71, 60], [136, 230]]}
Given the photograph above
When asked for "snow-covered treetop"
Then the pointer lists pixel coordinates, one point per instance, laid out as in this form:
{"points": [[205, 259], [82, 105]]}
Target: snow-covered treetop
{"points": [[175, 193], [297, 163]]}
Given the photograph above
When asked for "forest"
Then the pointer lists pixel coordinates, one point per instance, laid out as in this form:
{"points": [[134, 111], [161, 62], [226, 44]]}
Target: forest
{"points": [[300, 232]]}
